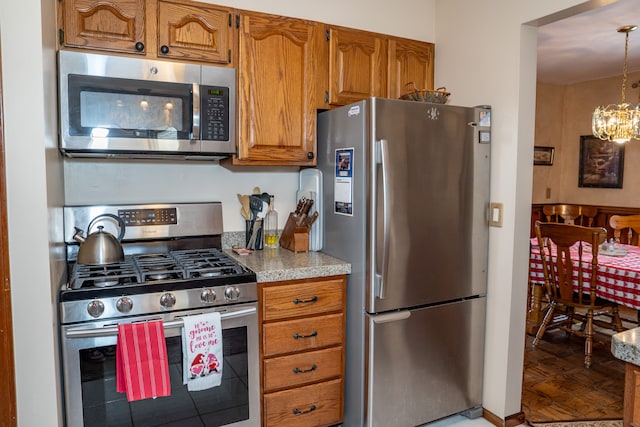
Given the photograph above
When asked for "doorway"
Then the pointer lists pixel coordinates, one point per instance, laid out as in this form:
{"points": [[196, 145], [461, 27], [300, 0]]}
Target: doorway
{"points": [[556, 387]]}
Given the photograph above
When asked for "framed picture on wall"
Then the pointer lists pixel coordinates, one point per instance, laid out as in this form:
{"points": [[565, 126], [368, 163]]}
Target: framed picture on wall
{"points": [[601, 163], [543, 155]]}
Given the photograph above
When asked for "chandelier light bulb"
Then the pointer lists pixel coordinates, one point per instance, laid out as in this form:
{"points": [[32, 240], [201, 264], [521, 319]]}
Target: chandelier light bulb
{"points": [[618, 122]]}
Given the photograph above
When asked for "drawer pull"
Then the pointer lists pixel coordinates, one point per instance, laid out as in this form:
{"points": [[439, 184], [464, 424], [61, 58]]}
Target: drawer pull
{"points": [[311, 335], [301, 301], [302, 371], [297, 411]]}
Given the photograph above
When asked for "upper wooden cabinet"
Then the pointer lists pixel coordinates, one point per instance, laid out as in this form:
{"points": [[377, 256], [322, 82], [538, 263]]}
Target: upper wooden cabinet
{"points": [[357, 65], [184, 30], [287, 68], [361, 64], [277, 65], [115, 25], [410, 61], [195, 32]]}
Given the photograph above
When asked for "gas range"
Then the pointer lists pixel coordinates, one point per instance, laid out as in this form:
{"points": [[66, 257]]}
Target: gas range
{"points": [[173, 262]]}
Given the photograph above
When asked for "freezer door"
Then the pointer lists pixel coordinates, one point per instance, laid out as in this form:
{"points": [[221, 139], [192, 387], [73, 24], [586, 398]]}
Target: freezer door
{"points": [[424, 364], [430, 202]]}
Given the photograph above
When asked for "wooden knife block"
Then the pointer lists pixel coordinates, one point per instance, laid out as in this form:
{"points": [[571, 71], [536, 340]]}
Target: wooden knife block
{"points": [[294, 237]]}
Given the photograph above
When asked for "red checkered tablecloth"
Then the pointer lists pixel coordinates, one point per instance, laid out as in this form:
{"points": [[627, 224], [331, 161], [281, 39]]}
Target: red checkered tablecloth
{"points": [[618, 276]]}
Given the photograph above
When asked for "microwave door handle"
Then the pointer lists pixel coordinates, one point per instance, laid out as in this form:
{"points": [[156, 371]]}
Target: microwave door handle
{"points": [[195, 129]]}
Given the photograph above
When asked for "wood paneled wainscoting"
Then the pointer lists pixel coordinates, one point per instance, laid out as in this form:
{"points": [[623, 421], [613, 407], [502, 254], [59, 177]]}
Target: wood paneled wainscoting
{"points": [[600, 220]]}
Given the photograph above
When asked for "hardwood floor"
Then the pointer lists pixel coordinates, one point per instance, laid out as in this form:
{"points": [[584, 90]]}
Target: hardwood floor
{"points": [[557, 386]]}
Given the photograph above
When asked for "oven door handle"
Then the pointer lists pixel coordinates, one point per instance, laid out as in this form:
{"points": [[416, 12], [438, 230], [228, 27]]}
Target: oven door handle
{"points": [[108, 331]]}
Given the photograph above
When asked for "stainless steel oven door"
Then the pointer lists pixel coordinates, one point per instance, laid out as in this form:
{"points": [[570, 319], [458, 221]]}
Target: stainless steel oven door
{"points": [[91, 399]]}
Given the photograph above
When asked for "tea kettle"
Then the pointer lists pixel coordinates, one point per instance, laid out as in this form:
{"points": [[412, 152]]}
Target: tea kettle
{"points": [[100, 247]]}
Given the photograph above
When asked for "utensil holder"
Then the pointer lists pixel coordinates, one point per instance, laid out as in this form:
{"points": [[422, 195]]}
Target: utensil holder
{"points": [[249, 224]]}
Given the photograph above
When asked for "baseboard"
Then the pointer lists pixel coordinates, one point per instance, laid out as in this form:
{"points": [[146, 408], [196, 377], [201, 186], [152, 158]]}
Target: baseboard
{"points": [[510, 421]]}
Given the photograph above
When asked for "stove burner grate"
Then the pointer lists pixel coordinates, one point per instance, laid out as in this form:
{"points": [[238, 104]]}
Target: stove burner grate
{"points": [[206, 263], [145, 269], [104, 275], [158, 267]]}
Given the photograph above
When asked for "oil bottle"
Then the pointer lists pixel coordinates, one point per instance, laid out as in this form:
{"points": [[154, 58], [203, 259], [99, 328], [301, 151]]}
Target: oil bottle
{"points": [[271, 226]]}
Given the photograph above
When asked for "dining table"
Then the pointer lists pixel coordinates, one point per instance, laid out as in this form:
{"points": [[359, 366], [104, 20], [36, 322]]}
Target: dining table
{"points": [[618, 278]]}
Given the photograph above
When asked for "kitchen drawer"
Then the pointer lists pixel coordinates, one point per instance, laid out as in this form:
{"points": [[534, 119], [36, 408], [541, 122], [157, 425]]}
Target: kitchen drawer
{"points": [[301, 299], [302, 334], [314, 405], [302, 368]]}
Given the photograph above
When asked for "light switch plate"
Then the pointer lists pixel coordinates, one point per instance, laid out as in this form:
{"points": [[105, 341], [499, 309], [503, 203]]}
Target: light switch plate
{"points": [[495, 214]]}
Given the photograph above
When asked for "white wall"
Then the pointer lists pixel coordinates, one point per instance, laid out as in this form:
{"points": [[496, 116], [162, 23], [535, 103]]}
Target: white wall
{"points": [[488, 57], [34, 193]]}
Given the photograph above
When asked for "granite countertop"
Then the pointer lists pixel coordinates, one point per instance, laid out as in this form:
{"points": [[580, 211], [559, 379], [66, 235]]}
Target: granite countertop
{"points": [[626, 346], [273, 265]]}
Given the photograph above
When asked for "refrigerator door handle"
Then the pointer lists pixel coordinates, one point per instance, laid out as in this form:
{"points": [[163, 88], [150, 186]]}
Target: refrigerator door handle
{"points": [[382, 251], [391, 317]]}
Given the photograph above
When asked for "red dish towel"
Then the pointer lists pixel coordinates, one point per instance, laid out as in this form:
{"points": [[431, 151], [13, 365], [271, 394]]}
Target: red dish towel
{"points": [[142, 369]]}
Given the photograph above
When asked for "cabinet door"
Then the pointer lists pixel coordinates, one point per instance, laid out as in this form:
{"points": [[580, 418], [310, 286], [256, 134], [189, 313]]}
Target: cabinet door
{"points": [[194, 32], [117, 26], [276, 85], [357, 65], [410, 61]]}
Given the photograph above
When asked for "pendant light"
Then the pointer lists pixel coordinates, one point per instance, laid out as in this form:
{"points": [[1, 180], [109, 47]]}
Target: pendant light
{"points": [[621, 122]]}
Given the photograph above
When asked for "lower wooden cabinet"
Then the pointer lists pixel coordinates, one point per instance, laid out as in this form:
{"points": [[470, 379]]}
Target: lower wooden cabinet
{"points": [[302, 352], [631, 411], [312, 405]]}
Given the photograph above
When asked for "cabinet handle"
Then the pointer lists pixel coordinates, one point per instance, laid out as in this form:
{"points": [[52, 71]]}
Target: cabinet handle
{"points": [[300, 301], [302, 371], [311, 335], [164, 49], [297, 411], [310, 155], [139, 46]]}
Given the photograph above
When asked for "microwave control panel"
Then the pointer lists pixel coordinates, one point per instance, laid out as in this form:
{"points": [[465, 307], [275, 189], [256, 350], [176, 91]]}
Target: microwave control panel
{"points": [[214, 113]]}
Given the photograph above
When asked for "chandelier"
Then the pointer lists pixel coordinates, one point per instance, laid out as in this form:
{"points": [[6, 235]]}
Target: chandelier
{"points": [[621, 122]]}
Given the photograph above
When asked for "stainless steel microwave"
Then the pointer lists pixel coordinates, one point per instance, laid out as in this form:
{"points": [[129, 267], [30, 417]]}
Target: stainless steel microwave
{"points": [[113, 106]]}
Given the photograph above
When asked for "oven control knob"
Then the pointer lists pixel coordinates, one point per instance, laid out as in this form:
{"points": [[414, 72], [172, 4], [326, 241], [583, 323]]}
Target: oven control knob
{"points": [[208, 296], [124, 305], [232, 293], [167, 300], [95, 308]]}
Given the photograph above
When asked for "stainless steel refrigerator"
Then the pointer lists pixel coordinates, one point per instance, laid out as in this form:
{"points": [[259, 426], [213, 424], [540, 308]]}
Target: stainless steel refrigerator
{"points": [[406, 200]]}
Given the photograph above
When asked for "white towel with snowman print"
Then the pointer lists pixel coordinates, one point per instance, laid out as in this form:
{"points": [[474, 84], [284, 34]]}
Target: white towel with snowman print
{"points": [[202, 351]]}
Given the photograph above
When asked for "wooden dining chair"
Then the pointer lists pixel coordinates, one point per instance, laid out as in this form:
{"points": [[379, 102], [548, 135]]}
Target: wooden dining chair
{"points": [[571, 214], [577, 304], [626, 229]]}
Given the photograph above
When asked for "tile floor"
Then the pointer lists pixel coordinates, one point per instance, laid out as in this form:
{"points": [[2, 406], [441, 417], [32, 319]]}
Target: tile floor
{"points": [[460, 421]]}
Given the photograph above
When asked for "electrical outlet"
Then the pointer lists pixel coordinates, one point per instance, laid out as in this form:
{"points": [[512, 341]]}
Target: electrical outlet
{"points": [[495, 214]]}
